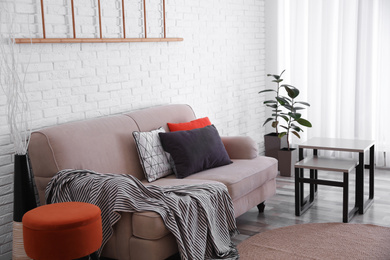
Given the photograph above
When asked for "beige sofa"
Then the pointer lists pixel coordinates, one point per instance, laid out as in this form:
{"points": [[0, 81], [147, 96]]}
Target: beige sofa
{"points": [[106, 145]]}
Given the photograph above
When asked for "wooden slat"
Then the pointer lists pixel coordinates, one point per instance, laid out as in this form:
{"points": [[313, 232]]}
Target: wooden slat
{"points": [[100, 20], [94, 40], [165, 30], [146, 36], [43, 20], [123, 18], [73, 20]]}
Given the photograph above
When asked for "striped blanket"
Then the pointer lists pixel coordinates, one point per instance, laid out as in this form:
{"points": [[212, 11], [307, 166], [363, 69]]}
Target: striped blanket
{"points": [[201, 217]]}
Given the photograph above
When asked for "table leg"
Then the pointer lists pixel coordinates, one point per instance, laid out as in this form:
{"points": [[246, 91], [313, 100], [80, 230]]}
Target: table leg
{"points": [[297, 193], [315, 153], [370, 200], [371, 169], [312, 186], [301, 187], [345, 197], [360, 203], [300, 154], [301, 203], [359, 191]]}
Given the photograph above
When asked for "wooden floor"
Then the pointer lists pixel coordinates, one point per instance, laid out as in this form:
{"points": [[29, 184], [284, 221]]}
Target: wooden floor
{"points": [[280, 209]]}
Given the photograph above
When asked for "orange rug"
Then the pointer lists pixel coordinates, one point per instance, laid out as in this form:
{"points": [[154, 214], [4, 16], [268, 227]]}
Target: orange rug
{"points": [[319, 241]]}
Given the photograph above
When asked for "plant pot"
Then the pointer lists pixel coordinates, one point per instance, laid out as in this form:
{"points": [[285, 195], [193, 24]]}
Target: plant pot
{"points": [[286, 161], [272, 144]]}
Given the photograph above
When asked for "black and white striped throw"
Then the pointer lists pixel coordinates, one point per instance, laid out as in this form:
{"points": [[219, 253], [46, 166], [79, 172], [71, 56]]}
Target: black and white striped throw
{"points": [[201, 217]]}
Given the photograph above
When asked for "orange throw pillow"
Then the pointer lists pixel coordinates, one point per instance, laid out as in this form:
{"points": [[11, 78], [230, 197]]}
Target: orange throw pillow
{"points": [[197, 123]]}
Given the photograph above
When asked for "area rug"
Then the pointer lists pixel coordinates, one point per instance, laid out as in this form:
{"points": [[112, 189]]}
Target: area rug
{"points": [[319, 241]]}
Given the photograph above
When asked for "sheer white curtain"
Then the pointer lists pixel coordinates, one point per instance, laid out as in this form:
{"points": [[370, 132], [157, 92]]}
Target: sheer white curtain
{"points": [[337, 52]]}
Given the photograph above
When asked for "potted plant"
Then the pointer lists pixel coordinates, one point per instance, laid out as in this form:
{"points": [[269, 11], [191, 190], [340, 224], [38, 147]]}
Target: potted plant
{"points": [[272, 142], [288, 156]]}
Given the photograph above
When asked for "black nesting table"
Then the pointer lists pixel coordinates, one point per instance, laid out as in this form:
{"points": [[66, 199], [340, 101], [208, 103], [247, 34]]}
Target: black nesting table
{"points": [[345, 166]]}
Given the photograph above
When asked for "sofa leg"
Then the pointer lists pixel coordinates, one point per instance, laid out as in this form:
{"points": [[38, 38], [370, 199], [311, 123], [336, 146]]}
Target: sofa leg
{"points": [[261, 207]]}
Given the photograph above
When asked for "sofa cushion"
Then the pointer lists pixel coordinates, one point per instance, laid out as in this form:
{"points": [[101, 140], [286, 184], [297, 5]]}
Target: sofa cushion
{"points": [[242, 176], [197, 123], [195, 150], [148, 225], [153, 158]]}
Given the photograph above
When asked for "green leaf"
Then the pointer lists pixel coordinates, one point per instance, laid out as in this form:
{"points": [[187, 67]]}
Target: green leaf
{"points": [[282, 126], [272, 106], [304, 122], [267, 90], [303, 103], [280, 100], [295, 133], [283, 99], [282, 134], [299, 108], [292, 91], [275, 124], [296, 128], [268, 119], [285, 117], [269, 102], [276, 76], [288, 86], [296, 116], [289, 107]]}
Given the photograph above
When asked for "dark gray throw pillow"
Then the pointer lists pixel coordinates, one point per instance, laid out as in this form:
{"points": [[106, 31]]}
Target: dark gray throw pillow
{"points": [[195, 150]]}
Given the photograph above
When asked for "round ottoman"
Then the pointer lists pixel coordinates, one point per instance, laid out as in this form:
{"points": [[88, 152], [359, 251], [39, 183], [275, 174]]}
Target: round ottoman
{"points": [[66, 230]]}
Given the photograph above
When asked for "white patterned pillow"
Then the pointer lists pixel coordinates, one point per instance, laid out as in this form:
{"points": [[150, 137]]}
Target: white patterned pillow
{"points": [[153, 158]]}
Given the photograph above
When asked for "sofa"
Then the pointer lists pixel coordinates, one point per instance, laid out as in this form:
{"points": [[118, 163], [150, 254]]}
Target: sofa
{"points": [[106, 145]]}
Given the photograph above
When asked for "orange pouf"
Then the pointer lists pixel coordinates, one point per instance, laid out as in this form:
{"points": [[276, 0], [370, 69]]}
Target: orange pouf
{"points": [[66, 231]]}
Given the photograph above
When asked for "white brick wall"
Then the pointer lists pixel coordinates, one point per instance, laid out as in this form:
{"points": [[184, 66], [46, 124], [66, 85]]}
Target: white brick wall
{"points": [[218, 69]]}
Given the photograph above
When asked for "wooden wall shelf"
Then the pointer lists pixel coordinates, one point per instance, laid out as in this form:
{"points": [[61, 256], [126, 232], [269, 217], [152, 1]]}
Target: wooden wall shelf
{"points": [[94, 40], [101, 39]]}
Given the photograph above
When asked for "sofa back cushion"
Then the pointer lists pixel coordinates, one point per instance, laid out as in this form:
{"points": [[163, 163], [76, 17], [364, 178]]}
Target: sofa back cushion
{"points": [[104, 144], [155, 117]]}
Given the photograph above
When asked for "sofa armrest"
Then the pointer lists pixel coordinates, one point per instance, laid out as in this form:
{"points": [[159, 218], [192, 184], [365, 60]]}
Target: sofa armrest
{"points": [[240, 147]]}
